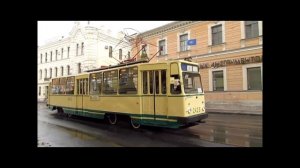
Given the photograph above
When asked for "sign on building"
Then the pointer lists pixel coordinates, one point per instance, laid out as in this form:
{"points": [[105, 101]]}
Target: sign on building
{"points": [[192, 42]]}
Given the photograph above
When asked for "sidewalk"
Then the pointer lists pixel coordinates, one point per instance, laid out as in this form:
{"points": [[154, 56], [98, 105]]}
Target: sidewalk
{"points": [[228, 111]]}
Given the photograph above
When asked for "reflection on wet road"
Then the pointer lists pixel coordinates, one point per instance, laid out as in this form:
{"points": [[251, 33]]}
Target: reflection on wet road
{"points": [[218, 130], [233, 129]]}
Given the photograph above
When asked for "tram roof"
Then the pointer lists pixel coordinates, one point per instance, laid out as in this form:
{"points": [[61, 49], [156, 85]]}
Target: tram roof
{"points": [[133, 63]]}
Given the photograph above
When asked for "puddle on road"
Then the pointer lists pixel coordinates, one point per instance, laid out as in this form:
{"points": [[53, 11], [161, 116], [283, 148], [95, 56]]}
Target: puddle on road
{"points": [[79, 134], [87, 137], [239, 138], [78, 138]]}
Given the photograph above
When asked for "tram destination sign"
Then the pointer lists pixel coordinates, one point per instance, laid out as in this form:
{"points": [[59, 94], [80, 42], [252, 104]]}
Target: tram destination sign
{"points": [[190, 68], [227, 62]]}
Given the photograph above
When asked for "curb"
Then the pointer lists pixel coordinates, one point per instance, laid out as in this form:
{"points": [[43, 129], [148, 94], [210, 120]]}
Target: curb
{"points": [[218, 111]]}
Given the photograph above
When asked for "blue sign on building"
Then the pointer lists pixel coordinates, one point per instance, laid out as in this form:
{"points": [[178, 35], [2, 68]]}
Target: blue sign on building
{"points": [[192, 42]]}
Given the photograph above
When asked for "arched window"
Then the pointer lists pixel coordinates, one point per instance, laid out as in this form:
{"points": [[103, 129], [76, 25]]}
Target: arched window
{"points": [[62, 71], [68, 70], [41, 74], [50, 73], [56, 52], [50, 56], [68, 52], [45, 73], [55, 71], [120, 54], [77, 47], [82, 47], [79, 67]]}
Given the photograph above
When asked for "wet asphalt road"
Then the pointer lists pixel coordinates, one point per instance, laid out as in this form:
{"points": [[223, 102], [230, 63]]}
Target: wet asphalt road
{"points": [[219, 130]]}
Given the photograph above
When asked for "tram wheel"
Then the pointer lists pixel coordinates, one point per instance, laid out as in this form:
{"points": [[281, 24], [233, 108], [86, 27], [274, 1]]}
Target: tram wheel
{"points": [[60, 111], [134, 125], [112, 119]]}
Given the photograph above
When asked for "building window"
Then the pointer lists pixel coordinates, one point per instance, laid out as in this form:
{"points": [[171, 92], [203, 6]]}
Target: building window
{"points": [[56, 54], [68, 52], [41, 58], [162, 47], [39, 90], [120, 54], [254, 78], [216, 34], [251, 28], [45, 73], [50, 72], [79, 67], [50, 56], [55, 71], [183, 42], [41, 74], [62, 71], [68, 70], [218, 81], [128, 54], [82, 48], [144, 52], [62, 53], [77, 47], [110, 51], [46, 58]]}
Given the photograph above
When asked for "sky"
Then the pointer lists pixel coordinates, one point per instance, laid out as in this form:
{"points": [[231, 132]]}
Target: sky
{"points": [[51, 30]]}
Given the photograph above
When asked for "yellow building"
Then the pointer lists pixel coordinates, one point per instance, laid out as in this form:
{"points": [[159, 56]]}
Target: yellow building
{"points": [[229, 54]]}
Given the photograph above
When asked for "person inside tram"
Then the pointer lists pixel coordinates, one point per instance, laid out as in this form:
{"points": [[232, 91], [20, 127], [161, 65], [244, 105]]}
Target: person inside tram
{"points": [[176, 86]]}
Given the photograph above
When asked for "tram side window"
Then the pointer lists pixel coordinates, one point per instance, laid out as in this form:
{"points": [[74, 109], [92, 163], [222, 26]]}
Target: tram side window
{"points": [[128, 81], [85, 86], [163, 82], [78, 86], [175, 84], [70, 85], [151, 81], [81, 87], [110, 82], [55, 86], [145, 83], [95, 83], [156, 82], [63, 83]]}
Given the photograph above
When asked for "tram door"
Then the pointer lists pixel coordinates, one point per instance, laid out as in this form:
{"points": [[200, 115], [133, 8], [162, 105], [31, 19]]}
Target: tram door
{"points": [[154, 94], [81, 91]]}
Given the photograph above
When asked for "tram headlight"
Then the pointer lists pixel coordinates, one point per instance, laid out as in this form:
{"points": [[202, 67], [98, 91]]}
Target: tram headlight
{"points": [[189, 110]]}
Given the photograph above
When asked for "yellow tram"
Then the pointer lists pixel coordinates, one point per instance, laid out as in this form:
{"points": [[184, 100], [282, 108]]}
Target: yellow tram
{"points": [[164, 94]]}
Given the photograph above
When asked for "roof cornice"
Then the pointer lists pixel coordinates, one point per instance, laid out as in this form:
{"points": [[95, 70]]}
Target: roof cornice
{"points": [[168, 27]]}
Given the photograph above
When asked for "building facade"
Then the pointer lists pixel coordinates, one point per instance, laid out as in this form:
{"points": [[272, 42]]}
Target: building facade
{"points": [[229, 54], [86, 48]]}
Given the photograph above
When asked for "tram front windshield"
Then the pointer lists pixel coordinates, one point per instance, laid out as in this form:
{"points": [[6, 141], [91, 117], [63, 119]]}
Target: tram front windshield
{"points": [[191, 79], [192, 83]]}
